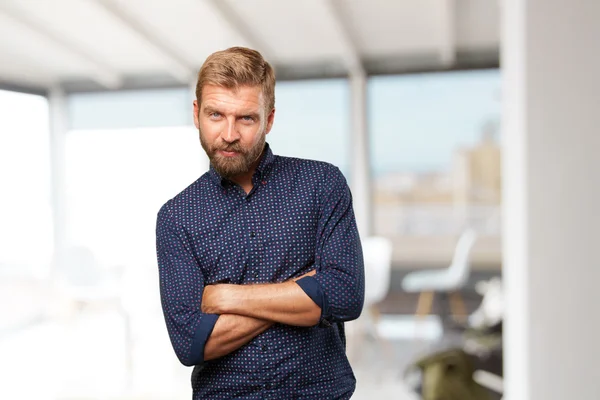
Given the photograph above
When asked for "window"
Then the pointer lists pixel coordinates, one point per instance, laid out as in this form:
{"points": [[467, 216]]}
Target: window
{"points": [[117, 180], [312, 121], [435, 156]]}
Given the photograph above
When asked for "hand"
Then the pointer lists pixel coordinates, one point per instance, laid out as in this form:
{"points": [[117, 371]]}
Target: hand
{"points": [[213, 299]]}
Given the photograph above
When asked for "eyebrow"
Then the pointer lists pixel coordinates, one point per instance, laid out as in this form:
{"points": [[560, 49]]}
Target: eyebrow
{"points": [[211, 109]]}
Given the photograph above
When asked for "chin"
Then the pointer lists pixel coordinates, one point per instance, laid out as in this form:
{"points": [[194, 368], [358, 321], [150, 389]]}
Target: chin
{"points": [[230, 172]]}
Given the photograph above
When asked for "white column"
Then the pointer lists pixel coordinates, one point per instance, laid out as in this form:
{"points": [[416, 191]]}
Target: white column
{"points": [[360, 156], [59, 125], [551, 231]]}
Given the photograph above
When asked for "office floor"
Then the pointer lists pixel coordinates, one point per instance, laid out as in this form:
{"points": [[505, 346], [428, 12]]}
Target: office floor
{"points": [[83, 359]]}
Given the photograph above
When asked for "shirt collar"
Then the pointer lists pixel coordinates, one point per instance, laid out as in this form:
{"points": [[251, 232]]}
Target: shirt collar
{"points": [[263, 169]]}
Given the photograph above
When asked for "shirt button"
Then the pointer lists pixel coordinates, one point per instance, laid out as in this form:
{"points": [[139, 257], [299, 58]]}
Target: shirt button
{"points": [[252, 234], [256, 273], [264, 347]]}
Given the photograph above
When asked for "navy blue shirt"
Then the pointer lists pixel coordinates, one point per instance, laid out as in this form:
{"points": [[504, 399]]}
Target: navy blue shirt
{"points": [[298, 217]]}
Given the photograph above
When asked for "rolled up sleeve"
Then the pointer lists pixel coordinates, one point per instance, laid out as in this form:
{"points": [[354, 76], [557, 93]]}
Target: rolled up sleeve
{"points": [[338, 287], [181, 287]]}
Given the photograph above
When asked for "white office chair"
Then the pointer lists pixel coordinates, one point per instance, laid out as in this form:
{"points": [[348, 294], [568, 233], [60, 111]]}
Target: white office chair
{"points": [[377, 254], [450, 280]]}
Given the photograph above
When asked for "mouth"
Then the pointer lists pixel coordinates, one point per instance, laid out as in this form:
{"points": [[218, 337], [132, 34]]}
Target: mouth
{"points": [[228, 153]]}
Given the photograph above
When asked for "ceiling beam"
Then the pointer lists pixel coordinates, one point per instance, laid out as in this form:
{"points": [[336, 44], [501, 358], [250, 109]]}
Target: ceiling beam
{"points": [[11, 86], [447, 38], [480, 59], [241, 27], [24, 72], [178, 67], [102, 73], [333, 9]]}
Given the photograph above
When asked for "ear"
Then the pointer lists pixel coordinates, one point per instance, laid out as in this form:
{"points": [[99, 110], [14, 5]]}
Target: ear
{"points": [[270, 120], [196, 111]]}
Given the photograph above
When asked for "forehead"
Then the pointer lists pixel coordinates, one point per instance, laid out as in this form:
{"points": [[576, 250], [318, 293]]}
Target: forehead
{"points": [[242, 97]]}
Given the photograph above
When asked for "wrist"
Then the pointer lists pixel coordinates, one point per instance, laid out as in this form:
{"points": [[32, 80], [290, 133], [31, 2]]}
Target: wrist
{"points": [[229, 299]]}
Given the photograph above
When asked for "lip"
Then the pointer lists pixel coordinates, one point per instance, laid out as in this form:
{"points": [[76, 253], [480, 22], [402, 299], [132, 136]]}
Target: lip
{"points": [[228, 153]]}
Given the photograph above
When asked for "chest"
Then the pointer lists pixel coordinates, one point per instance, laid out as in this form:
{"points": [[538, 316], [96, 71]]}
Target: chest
{"points": [[269, 236]]}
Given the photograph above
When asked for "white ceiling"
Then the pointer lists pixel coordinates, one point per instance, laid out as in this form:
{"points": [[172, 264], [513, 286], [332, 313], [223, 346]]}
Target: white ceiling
{"points": [[111, 44]]}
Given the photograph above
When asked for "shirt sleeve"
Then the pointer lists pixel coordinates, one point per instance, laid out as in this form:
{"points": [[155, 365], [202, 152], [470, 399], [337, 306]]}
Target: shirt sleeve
{"points": [[181, 287], [338, 287]]}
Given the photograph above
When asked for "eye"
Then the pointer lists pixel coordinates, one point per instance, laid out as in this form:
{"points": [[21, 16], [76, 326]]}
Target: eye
{"points": [[215, 114], [247, 118]]}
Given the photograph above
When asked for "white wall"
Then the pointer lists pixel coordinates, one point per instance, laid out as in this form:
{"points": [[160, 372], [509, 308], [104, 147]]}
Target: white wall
{"points": [[551, 92]]}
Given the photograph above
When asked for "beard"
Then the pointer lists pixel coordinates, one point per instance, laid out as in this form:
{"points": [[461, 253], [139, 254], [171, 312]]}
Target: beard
{"points": [[229, 167]]}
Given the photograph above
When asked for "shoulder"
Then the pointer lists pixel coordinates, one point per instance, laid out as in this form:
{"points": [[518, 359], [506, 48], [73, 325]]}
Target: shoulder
{"points": [[181, 204], [321, 178], [309, 168]]}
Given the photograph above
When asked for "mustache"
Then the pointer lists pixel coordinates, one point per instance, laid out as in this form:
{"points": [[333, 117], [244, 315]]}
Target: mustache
{"points": [[237, 147]]}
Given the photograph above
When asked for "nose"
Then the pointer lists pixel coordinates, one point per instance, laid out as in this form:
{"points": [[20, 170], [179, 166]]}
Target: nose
{"points": [[230, 133]]}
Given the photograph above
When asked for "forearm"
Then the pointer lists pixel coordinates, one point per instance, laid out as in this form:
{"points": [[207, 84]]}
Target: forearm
{"points": [[232, 332], [284, 303]]}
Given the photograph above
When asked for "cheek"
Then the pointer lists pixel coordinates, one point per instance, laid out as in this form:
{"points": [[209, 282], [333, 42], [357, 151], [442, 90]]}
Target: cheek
{"points": [[250, 134], [210, 130]]}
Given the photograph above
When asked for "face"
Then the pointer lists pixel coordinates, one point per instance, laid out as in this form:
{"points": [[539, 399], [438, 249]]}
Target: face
{"points": [[233, 125]]}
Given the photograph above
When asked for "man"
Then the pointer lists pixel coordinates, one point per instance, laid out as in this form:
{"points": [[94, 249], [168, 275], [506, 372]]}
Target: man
{"points": [[260, 261]]}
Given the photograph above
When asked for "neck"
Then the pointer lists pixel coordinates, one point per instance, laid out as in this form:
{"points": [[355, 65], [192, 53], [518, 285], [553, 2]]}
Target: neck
{"points": [[245, 179]]}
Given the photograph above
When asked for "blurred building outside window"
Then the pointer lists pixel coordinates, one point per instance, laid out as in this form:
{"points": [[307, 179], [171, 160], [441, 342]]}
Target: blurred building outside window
{"points": [[436, 163]]}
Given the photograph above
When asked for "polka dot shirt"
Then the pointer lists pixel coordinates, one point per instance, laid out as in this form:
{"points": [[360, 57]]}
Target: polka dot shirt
{"points": [[297, 217]]}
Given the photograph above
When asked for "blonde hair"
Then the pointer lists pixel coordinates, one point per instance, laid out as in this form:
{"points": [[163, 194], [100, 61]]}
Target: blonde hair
{"points": [[235, 67]]}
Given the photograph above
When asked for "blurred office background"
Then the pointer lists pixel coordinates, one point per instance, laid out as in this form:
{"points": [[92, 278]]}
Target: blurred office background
{"points": [[406, 97]]}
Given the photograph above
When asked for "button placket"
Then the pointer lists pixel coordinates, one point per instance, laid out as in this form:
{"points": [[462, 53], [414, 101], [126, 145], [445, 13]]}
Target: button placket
{"points": [[253, 243]]}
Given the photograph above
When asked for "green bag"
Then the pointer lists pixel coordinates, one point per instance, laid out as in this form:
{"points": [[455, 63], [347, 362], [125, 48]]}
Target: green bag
{"points": [[448, 375]]}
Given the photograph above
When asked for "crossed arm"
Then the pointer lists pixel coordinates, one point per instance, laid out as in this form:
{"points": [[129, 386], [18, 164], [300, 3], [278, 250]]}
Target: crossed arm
{"points": [[248, 310], [209, 321]]}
